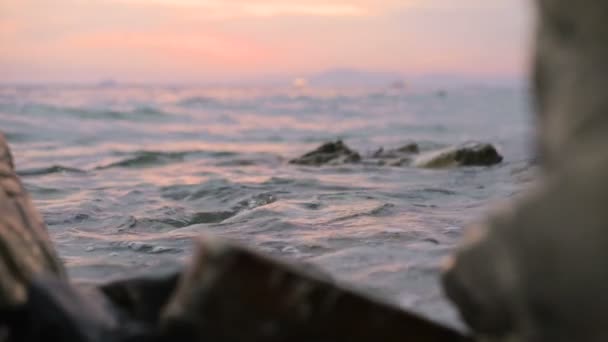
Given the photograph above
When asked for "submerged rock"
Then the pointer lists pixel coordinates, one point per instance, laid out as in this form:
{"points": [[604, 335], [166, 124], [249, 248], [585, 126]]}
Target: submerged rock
{"points": [[473, 154], [332, 153]]}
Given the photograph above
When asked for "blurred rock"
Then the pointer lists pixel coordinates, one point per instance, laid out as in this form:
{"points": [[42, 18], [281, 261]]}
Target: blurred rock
{"points": [[538, 271], [229, 293], [25, 247]]}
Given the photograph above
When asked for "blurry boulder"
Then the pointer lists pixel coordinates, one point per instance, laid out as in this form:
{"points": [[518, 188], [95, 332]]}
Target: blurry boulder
{"points": [[229, 293], [331, 153], [538, 271], [25, 247]]}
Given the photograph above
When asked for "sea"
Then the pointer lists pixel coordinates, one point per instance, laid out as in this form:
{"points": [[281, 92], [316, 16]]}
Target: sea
{"points": [[126, 176]]}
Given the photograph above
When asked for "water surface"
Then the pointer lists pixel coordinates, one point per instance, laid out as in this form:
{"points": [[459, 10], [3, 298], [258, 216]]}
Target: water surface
{"points": [[126, 176]]}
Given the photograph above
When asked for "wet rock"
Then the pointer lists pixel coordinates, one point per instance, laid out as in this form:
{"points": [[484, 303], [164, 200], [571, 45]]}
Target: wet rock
{"points": [[331, 153], [472, 154], [408, 149], [394, 157], [232, 294]]}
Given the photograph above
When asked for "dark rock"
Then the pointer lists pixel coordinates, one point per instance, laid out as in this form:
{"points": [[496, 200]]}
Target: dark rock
{"points": [[403, 151], [472, 154], [478, 155], [333, 153], [395, 157], [232, 294], [142, 299], [409, 148]]}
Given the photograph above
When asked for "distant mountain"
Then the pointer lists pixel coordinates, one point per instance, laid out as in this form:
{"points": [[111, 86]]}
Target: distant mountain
{"points": [[354, 77]]}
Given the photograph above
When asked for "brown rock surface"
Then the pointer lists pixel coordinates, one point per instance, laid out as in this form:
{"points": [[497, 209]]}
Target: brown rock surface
{"points": [[25, 247], [229, 293]]}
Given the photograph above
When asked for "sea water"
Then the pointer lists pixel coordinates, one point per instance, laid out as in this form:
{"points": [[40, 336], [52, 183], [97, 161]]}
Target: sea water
{"points": [[126, 175]]}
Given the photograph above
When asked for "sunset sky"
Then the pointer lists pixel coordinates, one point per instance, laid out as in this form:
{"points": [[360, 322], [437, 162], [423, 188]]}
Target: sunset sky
{"points": [[211, 40]]}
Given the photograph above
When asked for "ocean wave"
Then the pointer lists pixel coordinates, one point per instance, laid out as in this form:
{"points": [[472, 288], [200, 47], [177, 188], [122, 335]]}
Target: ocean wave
{"points": [[135, 114], [142, 159], [163, 220], [199, 101], [48, 170]]}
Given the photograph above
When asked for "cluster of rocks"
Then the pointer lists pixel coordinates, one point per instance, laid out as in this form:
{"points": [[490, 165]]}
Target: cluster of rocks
{"points": [[469, 154]]}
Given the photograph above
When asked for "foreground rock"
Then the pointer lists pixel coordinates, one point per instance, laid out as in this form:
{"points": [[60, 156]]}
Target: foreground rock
{"points": [[231, 294], [471, 154], [227, 294], [538, 271], [331, 153], [25, 247]]}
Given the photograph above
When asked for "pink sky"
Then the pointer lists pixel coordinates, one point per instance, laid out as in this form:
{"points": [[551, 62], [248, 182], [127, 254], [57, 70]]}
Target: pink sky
{"points": [[202, 40]]}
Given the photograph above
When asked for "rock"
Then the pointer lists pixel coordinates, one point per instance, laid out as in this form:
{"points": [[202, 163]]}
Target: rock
{"points": [[25, 247], [538, 271], [394, 157], [332, 153], [409, 148], [229, 293], [473, 154]]}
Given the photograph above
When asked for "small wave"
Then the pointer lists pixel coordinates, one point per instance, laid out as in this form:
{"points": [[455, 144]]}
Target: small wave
{"points": [[48, 170], [153, 158], [378, 211], [15, 137], [439, 191], [198, 101], [144, 159], [90, 113], [208, 217]]}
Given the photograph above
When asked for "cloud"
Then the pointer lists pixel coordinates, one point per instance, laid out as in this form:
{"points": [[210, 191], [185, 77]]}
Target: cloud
{"points": [[252, 8]]}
